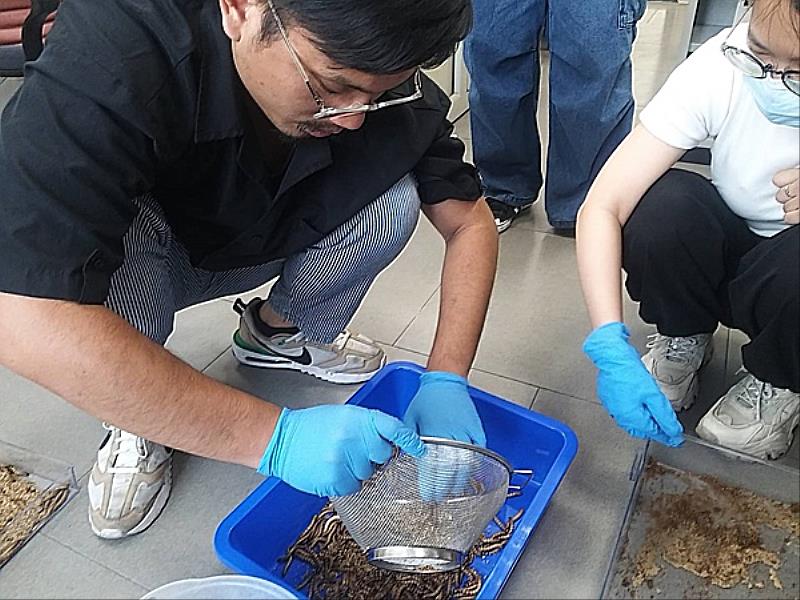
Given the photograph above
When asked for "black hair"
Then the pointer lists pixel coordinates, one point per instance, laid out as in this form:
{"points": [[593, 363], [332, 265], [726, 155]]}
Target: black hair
{"points": [[380, 37]]}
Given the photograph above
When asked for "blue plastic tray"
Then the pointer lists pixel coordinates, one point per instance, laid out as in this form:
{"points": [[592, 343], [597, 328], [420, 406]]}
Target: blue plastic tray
{"points": [[258, 531]]}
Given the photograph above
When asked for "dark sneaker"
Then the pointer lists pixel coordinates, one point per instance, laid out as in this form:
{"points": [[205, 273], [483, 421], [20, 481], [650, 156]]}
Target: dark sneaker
{"points": [[350, 358], [504, 213]]}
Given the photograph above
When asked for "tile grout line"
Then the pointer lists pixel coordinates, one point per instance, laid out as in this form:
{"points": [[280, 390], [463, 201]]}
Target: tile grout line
{"points": [[215, 359], [537, 387], [95, 562], [535, 395], [414, 318], [406, 350]]}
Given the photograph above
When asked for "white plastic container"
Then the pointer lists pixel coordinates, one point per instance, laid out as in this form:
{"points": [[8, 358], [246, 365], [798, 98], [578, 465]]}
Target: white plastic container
{"points": [[222, 587]]}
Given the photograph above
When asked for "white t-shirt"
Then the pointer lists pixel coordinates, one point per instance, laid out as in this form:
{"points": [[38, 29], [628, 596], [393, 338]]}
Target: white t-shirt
{"points": [[706, 98]]}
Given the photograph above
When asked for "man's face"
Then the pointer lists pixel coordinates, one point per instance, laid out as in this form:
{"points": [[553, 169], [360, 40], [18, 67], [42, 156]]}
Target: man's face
{"points": [[272, 78]]}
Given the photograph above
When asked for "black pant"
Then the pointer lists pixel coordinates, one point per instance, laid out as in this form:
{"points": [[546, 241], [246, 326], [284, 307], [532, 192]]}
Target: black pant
{"points": [[692, 264]]}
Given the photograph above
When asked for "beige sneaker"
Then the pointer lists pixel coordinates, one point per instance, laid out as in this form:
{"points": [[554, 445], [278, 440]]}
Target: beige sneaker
{"points": [[753, 417], [674, 363], [129, 484], [350, 358]]}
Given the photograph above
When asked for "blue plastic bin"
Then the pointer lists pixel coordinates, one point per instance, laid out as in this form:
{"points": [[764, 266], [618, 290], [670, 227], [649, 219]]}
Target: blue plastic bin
{"points": [[258, 531]]}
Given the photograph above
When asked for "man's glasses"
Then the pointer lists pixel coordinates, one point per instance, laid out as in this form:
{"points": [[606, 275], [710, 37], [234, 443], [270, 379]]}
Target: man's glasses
{"points": [[325, 112], [753, 67]]}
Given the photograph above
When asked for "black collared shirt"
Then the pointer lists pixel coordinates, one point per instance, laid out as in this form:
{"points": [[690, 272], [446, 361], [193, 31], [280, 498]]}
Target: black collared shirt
{"points": [[138, 96]]}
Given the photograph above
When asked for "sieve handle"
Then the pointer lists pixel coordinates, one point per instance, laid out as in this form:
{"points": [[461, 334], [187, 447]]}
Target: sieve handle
{"points": [[515, 490]]}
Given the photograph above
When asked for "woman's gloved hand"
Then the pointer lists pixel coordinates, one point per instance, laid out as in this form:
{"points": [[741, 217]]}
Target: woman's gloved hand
{"points": [[627, 390], [442, 408], [329, 450]]}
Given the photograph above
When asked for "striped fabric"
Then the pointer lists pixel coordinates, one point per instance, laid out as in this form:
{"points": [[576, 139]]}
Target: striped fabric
{"points": [[319, 288]]}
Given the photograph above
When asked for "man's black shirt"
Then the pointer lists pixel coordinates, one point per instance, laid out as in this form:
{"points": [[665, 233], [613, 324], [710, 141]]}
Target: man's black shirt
{"points": [[141, 96]]}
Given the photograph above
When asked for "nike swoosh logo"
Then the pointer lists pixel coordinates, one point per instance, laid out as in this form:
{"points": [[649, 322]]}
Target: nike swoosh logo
{"points": [[304, 358]]}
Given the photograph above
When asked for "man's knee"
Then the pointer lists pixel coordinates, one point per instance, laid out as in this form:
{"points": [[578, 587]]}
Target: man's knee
{"points": [[388, 222]]}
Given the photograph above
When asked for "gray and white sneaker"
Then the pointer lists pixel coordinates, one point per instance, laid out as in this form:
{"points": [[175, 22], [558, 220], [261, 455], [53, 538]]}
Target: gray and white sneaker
{"points": [[674, 363], [754, 417], [129, 484], [350, 358]]}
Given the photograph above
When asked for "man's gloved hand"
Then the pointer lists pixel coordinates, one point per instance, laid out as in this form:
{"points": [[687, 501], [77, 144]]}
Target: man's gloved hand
{"points": [[442, 408], [329, 450], [626, 388]]}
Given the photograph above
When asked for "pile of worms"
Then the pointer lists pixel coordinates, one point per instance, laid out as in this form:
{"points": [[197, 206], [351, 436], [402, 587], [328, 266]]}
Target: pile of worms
{"points": [[339, 568], [22, 508]]}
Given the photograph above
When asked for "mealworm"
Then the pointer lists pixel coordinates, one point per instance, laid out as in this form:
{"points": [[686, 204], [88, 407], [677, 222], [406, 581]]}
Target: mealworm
{"points": [[339, 569]]}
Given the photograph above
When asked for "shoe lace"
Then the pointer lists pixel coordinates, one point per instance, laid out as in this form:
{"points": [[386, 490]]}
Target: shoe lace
{"points": [[126, 443], [754, 393], [298, 337], [675, 349], [340, 342]]}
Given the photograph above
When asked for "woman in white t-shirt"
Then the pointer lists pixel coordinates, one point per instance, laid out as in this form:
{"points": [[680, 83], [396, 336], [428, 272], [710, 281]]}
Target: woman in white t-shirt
{"points": [[697, 252]]}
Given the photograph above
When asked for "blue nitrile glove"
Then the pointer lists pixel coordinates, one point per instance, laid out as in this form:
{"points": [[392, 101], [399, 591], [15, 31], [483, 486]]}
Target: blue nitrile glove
{"points": [[329, 450], [442, 408], [626, 388]]}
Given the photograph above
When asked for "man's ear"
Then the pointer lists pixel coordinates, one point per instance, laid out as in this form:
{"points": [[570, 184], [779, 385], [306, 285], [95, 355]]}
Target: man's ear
{"points": [[233, 17]]}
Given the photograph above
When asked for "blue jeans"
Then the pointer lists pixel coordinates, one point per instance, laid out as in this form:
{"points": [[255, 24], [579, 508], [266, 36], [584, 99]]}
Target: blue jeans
{"points": [[591, 103]]}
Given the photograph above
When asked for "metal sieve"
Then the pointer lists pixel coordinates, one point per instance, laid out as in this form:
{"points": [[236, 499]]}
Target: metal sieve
{"points": [[424, 514]]}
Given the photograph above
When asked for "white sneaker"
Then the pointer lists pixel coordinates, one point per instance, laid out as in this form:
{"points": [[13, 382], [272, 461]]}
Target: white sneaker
{"points": [[350, 358], [129, 485], [753, 417], [674, 363]]}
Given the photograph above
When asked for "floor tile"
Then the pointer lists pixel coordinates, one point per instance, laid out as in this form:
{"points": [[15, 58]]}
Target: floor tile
{"points": [[514, 391], [646, 84], [37, 420], [203, 332], [46, 569], [394, 354], [180, 543], [736, 340], [462, 128], [508, 389], [285, 388], [657, 58], [570, 552], [400, 292], [536, 321], [7, 89]]}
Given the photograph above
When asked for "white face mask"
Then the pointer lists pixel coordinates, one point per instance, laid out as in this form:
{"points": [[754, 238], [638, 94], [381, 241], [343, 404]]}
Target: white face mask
{"points": [[774, 100]]}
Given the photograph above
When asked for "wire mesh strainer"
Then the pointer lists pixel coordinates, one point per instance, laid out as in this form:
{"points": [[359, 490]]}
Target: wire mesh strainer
{"points": [[424, 514]]}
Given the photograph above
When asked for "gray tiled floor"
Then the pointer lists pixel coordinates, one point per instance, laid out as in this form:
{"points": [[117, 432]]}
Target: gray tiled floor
{"points": [[530, 354], [46, 568], [578, 531]]}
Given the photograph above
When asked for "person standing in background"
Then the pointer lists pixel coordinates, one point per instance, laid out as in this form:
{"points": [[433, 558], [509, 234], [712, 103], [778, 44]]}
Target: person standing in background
{"points": [[591, 102]]}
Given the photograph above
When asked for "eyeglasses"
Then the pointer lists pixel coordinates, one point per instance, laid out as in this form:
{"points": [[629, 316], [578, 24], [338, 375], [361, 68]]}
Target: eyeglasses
{"points": [[753, 67], [326, 112]]}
